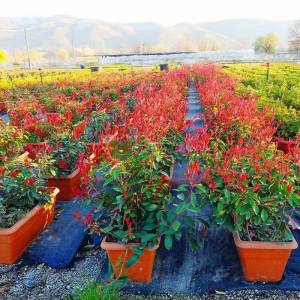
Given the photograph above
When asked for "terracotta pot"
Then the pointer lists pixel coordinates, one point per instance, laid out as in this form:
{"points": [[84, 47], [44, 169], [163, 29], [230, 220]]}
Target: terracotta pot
{"points": [[14, 240], [118, 255], [79, 129], [66, 185], [285, 146], [263, 261], [33, 148], [93, 149], [3, 107], [22, 158]]}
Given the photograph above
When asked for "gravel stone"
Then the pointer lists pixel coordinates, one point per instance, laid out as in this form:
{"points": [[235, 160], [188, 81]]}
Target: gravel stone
{"points": [[41, 282], [32, 278], [219, 295]]}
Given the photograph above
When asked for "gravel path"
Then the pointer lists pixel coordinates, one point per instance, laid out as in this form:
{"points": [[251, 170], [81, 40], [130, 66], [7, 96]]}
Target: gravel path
{"points": [[42, 282], [234, 295]]}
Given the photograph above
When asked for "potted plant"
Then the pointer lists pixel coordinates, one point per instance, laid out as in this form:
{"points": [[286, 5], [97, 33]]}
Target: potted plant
{"points": [[79, 129], [97, 123], [253, 193], [3, 106], [139, 210], [38, 133], [288, 129], [26, 209], [12, 140], [68, 159], [286, 146]]}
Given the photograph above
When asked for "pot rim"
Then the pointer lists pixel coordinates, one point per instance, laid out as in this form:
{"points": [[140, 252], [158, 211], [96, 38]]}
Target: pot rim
{"points": [[264, 245], [37, 143], [70, 176], [21, 156], [281, 140], [31, 213], [117, 246]]}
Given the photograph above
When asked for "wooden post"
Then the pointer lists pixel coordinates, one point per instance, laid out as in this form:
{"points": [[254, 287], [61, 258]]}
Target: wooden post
{"points": [[41, 76], [268, 70]]}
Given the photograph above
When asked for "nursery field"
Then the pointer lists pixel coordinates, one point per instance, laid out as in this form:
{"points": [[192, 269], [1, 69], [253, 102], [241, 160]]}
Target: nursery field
{"points": [[281, 90], [15, 78], [147, 170]]}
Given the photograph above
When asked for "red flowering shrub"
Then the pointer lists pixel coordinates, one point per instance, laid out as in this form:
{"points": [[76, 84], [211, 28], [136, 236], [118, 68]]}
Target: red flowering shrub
{"points": [[235, 165], [136, 202], [12, 141], [20, 190]]}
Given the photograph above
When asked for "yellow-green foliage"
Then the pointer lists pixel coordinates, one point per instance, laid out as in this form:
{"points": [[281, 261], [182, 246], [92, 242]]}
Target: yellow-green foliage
{"points": [[16, 78], [281, 92]]}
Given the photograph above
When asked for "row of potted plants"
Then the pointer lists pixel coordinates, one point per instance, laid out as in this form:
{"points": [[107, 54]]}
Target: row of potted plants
{"points": [[252, 187], [30, 188], [60, 157], [26, 208], [233, 163]]}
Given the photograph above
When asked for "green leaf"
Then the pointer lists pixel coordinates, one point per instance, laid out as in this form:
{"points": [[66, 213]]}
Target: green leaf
{"points": [[288, 235], [119, 199], [176, 225], [264, 215], [227, 194], [255, 209], [295, 199], [53, 173], [149, 227], [201, 188], [181, 188], [178, 235], [148, 237], [180, 208], [181, 196], [138, 251], [194, 209], [168, 242], [193, 199], [152, 207], [107, 229], [132, 260], [117, 189]]}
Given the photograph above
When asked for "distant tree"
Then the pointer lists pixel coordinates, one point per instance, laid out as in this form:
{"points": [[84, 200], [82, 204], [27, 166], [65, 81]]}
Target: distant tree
{"points": [[203, 45], [266, 44], [208, 44], [216, 46], [63, 54], [18, 57], [36, 55], [137, 48], [185, 43], [294, 38], [3, 56]]}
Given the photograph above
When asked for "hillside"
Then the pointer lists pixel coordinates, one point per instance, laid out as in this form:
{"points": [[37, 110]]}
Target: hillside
{"points": [[71, 32]]}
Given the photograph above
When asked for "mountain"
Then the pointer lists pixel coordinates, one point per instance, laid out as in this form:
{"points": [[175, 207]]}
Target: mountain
{"points": [[69, 32]]}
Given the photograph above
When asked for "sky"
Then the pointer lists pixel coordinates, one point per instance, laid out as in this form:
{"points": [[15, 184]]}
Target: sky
{"points": [[166, 12]]}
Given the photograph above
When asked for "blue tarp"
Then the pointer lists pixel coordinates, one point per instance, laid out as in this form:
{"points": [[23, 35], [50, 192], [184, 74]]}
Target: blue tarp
{"points": [[5, 117], [58, 244]]}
